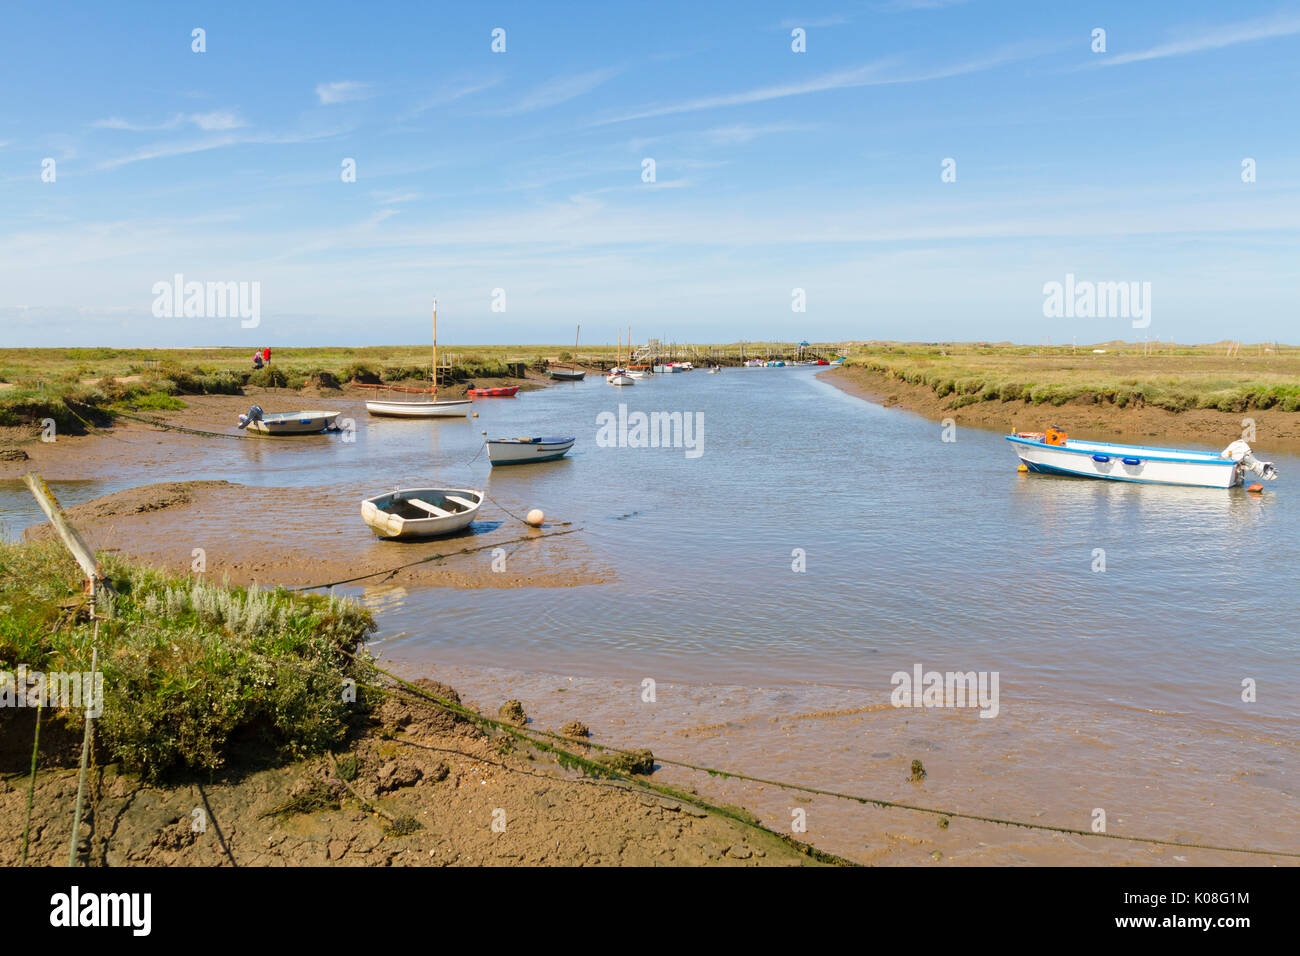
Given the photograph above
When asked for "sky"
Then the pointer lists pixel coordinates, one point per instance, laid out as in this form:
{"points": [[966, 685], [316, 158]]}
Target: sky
{"points": [[920, 170]]}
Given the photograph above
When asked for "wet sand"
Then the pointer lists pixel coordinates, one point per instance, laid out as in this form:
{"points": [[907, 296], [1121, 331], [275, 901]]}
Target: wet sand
{"points": [[1275, 430]]}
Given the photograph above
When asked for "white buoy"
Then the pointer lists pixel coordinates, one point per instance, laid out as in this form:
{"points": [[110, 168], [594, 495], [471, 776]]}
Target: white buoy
{"points": [[535, 517]]}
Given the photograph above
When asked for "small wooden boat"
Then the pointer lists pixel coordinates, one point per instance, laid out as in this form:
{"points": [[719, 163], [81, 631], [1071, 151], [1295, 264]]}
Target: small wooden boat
{"points": [[619, 376], [431, 408], [1054, 453], [287, 423], [412, 513], [517, 451], [500, 391], [572, 373], [448, 408], [567, 374]]}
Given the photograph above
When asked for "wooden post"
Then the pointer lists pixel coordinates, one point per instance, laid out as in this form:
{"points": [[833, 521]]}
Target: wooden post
{"points": [[72, 540]]}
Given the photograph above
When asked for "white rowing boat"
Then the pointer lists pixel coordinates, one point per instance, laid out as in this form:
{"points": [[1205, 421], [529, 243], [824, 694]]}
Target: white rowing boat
{"points": [[518, 451], [1053, 453], [449, 408], [287, 423], [412, 513], [431, 408], [619, 376]]}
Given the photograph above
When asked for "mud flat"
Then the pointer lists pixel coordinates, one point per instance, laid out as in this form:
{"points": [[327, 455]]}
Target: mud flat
{"points": [[426, 788], [1146, 424]]}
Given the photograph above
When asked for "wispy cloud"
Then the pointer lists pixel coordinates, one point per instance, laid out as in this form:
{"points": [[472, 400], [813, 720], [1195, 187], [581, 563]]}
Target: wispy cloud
{"points": [[166, 150], [813, 22], [342, 91], [215, 120], [747, 132], [561, 89], [1247, 31], [451, 94], [878, 73]]}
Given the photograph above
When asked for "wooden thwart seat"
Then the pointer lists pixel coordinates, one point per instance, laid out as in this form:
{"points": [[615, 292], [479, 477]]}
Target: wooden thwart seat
{"points": [[460, 501], [431, 509]]}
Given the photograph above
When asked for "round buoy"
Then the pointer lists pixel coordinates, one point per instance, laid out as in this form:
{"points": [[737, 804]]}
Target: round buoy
{"points": [[476, 414], [485, 431], [535, 517], [1022, 467], [1255, 488]]}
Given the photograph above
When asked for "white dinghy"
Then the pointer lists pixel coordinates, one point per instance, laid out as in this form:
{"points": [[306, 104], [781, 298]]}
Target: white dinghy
{"points": [[287, 423], [518, 451], [1054, 453], [431, 408], [412, 513]]}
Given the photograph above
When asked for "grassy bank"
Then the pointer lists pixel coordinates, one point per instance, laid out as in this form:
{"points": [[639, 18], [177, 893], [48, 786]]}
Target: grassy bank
{"points": [[193, 671], [1175, 378], [76, 387]]}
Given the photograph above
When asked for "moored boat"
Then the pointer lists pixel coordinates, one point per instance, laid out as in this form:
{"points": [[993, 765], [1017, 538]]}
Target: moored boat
{"points": [[447, 408], [411, 513], [500, 391], [1055, 453], [287, 423], [567, 374], [518, 451]]}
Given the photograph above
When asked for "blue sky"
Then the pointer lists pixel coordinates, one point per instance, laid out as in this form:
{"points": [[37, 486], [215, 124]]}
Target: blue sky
{"points": [[523, 170]]}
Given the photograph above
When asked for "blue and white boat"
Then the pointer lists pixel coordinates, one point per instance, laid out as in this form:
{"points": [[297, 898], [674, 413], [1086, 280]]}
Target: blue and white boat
{"points": [[518, 451], [1053, 453]]}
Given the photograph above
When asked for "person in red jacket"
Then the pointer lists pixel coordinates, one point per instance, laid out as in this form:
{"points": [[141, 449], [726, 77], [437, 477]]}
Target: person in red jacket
{"points": [[266, 356]]}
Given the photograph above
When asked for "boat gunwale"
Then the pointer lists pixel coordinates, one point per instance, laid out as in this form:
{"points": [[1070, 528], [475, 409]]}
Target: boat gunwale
{"points": [[1098, 447]]}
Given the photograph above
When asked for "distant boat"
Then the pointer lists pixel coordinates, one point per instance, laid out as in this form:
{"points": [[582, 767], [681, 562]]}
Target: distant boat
{"points": [[619, 375], [715, 369], [287, 423], [432, 408], [412, 513], [500, 391], [567, 374], [572, 373], [518, 451], [1054, 453]]}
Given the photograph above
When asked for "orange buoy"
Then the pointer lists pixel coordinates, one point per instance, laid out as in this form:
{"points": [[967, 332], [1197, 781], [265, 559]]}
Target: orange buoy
{"points": [[1255, 488], [1022, 467]]}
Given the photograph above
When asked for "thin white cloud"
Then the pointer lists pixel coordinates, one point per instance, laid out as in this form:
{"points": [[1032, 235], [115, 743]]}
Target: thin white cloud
{"points": [[223, 119], [342, 91], [165, 150], [454, 93], [741, 133], [559, 90], [809, 23], [1232, 34], [870, 74]]}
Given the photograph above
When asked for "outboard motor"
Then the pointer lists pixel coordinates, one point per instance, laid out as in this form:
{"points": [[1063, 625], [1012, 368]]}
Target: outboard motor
{"points": [[1240, 452], [254, 415]]}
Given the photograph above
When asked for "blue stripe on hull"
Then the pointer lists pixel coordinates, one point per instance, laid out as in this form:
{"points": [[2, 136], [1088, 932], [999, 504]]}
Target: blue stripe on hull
{"points": [[1052, 470], [529, 461]]}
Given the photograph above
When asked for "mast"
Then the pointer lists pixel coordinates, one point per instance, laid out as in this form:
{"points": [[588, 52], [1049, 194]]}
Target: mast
{"points": [[435, 350], [573, 366]]}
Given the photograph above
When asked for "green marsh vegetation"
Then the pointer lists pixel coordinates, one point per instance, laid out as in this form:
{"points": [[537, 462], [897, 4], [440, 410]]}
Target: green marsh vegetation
{"points": [[197, 675], [1176, 378]]}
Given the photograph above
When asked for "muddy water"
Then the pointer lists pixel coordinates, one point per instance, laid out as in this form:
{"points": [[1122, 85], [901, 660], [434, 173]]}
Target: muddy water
{"points": [[1118, 689]]}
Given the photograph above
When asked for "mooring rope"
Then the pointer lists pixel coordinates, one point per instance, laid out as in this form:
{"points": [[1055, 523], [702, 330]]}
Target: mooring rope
{"points": [[817, 791], [431, 557]]}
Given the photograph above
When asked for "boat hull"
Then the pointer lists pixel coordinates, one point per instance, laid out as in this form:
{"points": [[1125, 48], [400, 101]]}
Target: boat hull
{"points": [[293, 423], [621, 380], [565, 375], [1132, 463], [394, 517], [518, 452], [456, 408], [501, 391]]}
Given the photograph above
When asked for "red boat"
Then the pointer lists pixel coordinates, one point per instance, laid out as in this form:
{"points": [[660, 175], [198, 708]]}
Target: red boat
{"points": [[501, 391]]}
